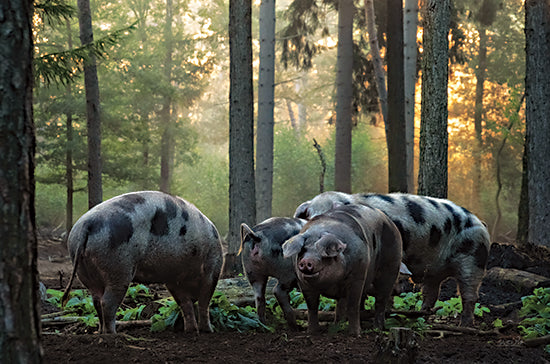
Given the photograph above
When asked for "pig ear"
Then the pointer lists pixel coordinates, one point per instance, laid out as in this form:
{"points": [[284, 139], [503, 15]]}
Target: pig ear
{"points": [[403, 269], [301, 211], [293, 245], [245, 231], [329, 246]]}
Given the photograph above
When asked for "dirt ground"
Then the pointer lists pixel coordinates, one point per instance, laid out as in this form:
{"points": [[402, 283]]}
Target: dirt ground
{"points": [[78, 344]]}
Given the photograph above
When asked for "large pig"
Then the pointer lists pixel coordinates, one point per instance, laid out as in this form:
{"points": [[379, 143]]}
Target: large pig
{"points": [[262, 257], [346, 253], [440, 240], [147, 237]]}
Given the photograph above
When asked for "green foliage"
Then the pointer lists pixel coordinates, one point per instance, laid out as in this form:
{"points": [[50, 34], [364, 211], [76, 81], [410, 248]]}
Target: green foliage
{"points": [[408, 301], [130, 313], [536, 312], [168, 313], [138, 293], [225, 316]]}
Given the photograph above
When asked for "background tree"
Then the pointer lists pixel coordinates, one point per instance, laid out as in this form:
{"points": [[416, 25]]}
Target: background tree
{"points": [[167, 142], [19, 313], [242, 193], [344, 93], [485, 16], [93, 111], [266, 94], [537, 118], [397, 145], [432, 175], [410, 28]]}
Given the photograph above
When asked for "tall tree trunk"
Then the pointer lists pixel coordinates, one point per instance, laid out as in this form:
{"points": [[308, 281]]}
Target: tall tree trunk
{"points": [[432, 175], [397, 152], [242, 202], [344, 94], [379, 74], [19, 313], [478, 115], [410, 25], [93, 111], [167, 139], [69, 152], [537, 118], [264, 132]]}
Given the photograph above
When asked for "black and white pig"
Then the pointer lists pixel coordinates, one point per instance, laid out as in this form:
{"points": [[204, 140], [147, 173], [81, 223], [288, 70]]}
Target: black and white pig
{"points": [[147, 237], [440, 240], [262, 257], [345, 254]]}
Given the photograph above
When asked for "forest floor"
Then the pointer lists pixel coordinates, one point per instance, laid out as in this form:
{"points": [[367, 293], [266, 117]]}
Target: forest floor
{"points": [[77, 343]]}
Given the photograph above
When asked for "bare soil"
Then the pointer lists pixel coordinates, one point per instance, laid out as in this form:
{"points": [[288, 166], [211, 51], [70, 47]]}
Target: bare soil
{"points": [[137, 344]]}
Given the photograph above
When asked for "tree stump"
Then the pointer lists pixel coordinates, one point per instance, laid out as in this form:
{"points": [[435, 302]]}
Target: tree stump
{"points": [[399, 347]]}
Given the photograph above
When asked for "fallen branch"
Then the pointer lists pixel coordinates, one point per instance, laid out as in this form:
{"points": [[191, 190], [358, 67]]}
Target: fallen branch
{"points": [[537, 341], [464, 330]]}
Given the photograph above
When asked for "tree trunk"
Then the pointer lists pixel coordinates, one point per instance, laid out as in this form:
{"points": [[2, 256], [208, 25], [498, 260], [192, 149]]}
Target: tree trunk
{"points": [[344, 94], [19, 313], [432, 175], [396, 138], [93, 112], [167, 139], [478, 116], [379, 74], [523, 208], [537, 118], [410, 21], [69, 152], [266, 89], [242, 203]]}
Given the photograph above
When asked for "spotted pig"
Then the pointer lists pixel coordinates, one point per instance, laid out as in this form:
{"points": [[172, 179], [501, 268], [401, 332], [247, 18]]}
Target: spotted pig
{"points": [[147, 237], [262, 257], [440, 240], [346, 253]]}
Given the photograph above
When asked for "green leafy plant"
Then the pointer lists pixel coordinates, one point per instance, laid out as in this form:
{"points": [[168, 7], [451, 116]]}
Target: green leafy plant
{"points": [[226, 316], [536, 310], [167, 316], [408, 301], [138, 293]]}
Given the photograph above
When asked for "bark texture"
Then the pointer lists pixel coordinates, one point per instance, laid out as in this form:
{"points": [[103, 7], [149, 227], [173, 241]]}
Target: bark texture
{"points": [[266, 95], [432, 174], [537, 118], [242, 191], [19, 318]]}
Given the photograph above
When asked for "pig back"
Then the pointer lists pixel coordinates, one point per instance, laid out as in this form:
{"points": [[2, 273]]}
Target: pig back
{"points": [[152, 233]]}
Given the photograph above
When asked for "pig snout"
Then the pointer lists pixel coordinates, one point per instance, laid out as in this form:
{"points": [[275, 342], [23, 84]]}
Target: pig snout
{"points": [[306, 266]]}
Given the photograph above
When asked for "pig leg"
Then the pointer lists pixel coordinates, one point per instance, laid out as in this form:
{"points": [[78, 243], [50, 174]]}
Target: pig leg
{"points": [[430, 292], [109, 302], [469, 288], [353, 303], [281, 293], [312, 302], [205, 295], [258, 286], [341, 310], [185, 302]]}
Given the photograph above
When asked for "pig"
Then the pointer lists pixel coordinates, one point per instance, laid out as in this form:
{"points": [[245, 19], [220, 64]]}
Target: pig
{"points": [[262, 257], [146, 237], [440, 240], [345, 254]]}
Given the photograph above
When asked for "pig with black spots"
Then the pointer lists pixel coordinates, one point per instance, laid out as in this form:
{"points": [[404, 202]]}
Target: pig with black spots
{"points": [[147, 237], [440, 240], [262, 257]]}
